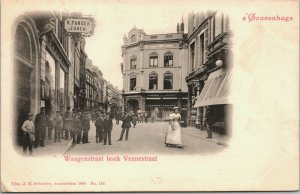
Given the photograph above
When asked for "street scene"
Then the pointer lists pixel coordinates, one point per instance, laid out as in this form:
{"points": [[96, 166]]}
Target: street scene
{"points": [[144, 138], [168, 92]]}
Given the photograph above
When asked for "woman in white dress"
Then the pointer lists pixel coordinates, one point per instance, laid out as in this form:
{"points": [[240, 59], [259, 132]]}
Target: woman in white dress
{"points": [[173, 137]]}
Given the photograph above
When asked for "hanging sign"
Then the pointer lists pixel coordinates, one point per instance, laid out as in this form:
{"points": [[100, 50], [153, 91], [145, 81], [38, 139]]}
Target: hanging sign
{"points": [[84, 26]]}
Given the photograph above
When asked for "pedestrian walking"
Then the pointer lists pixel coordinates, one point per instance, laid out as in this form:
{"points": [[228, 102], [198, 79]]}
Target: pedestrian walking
{"points": [[107, 129], [173, 137], [117, 118], [134, 119], [125, 126], [86, 128], [209, 121], [67, 122], [41, 122], [99, 123], [58, 126], [28, 134]]}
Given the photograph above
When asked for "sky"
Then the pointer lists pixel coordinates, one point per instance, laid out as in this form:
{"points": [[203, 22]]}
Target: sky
{"points": [[115, 20]]}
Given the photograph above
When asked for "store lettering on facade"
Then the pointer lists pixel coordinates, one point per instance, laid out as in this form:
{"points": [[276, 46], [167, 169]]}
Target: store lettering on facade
{"points": [[79, 25]]}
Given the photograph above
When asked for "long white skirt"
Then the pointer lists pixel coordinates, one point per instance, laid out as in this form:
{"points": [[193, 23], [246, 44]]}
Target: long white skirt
{"points": [[174, 135]]}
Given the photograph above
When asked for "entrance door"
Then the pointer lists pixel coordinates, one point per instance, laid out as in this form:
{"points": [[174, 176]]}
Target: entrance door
{"points": [[133, 105]]}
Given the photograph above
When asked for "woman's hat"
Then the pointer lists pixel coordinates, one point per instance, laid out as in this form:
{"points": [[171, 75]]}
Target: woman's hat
{"points": [[176, 107]]}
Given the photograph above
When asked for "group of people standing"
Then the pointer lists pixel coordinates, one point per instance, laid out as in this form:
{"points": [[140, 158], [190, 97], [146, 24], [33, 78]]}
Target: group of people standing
{"points": [[70, 125]]}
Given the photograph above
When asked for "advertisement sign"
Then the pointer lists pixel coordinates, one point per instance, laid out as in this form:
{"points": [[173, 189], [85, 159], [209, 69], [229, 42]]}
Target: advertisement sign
{"points": [[85, 26]]}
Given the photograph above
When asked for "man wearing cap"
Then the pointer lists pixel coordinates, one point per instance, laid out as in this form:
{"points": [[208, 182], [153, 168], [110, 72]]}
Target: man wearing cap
{"points": [[28, 130], [41, 122]]}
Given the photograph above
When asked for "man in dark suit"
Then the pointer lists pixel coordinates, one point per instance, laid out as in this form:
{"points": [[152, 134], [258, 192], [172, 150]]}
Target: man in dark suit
{"points": [[107, 129], [86, 127], [125, 126], [41, 122], [99, 123]]}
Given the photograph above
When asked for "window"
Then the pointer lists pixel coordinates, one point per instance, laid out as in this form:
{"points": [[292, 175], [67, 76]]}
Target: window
{"points": [[153, 60], [132, 83], [153, 81], [217, 25], [202, 48], [168, 80], [168, 60], [133, 38], [192, 59], [133, 63]]}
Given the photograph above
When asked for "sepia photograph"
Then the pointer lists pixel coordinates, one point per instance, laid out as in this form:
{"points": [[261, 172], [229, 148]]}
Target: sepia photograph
{"points": [[162, 94]]}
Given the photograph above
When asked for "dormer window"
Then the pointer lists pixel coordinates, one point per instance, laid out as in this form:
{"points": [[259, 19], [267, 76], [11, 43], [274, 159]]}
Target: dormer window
{"points": [[133, 39]]}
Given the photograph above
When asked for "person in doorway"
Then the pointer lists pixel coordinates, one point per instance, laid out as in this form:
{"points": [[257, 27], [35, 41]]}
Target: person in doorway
{"points": [[209, 121], [41, 123], [58, 125], [99, 123], [173, 137], [28, 134], [107, 129], [125, 126]]}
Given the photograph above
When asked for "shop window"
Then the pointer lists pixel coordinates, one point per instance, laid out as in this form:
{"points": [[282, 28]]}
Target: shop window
{"points": [[168, 80], [153, 81], [132, 83], [153, 62], [168, 60]]}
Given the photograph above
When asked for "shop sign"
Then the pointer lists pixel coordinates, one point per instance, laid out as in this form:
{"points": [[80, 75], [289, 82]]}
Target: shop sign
{"points": [[85, 26]]}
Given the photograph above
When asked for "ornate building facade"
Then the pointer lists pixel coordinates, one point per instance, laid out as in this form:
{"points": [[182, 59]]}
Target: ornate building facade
{"points": [[209, 68], [154, 67], [45, 65]]}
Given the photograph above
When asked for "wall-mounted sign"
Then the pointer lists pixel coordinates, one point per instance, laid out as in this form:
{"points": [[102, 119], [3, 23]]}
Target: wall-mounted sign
{"points": [[85, 26]]}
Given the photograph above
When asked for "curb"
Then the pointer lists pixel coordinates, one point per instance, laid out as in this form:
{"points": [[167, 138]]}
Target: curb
{"points": [[69, 146], [214, 140]]}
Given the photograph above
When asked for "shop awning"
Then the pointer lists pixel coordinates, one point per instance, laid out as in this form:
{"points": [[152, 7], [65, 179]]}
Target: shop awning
{"points": [[216, 89]]}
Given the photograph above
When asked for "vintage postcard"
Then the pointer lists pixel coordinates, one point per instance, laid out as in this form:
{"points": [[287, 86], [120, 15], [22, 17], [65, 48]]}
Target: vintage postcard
{"points": [[125, 96]]}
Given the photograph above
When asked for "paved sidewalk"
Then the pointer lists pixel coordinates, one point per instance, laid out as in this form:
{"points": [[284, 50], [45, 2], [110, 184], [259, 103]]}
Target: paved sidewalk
{"points": [[202, 134], [51, 148]]}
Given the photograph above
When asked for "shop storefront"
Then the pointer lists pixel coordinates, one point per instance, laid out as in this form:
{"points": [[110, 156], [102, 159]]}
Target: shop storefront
{"points": [[216, 95]]}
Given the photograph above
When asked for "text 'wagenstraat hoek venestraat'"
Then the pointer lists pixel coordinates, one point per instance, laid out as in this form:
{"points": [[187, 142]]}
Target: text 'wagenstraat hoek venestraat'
{"points": [[113, 158]]}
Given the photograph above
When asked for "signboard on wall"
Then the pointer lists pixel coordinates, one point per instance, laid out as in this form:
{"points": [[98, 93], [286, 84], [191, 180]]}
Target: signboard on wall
{"points": [[85, 26]]}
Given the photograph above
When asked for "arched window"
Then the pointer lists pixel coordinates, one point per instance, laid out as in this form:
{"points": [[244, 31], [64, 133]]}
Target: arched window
{"points": [[132, 84], [168, 59], [22, 43], [133, 39], [153, 81], [133, 62], [153, 60], [168, 80]]}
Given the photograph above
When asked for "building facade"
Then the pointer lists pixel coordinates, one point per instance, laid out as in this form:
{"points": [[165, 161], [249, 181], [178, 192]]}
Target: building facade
{"points": [[209, 68], [154, 68], [43, 71]]}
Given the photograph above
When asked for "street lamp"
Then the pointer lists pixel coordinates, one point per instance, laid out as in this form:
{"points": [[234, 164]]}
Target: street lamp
{"points": [[219, 63]]}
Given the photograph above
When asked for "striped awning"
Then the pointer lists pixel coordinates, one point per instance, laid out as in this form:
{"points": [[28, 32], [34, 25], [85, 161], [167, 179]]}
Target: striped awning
{"points": [[216, 89]]}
